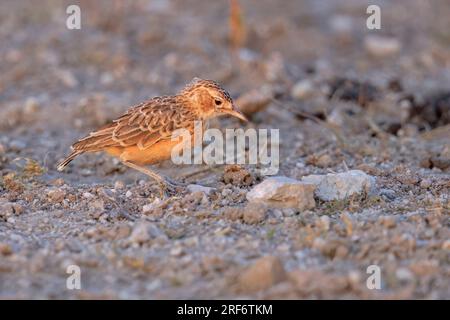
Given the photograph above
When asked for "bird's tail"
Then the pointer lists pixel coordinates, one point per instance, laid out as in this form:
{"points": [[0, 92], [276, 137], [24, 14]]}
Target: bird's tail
{"points": [[67, 160]]}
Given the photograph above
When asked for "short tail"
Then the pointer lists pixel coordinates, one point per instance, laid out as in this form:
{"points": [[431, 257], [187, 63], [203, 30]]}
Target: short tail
{"points": [[67, 160]]}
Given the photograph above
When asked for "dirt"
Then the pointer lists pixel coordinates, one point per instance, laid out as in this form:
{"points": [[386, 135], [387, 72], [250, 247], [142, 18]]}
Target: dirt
{"points": [[387, 116]]}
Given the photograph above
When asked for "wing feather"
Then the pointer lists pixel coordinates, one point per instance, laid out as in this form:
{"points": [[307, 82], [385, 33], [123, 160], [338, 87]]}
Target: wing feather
{"points": [[142, 126]]}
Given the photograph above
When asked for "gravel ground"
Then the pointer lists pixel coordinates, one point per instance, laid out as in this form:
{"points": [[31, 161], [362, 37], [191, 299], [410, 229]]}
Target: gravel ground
{"points": [[342, 96]]}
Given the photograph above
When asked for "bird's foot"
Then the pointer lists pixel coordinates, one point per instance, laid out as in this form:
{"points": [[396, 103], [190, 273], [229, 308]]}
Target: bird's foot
{"points": [[170, 187]]}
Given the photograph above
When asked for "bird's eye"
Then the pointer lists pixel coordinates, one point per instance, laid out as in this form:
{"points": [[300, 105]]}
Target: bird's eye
{"points": [[218, 102]]}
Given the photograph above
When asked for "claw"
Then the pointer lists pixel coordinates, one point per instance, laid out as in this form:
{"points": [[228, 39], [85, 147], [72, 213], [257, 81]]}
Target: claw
{"points": [[169, 187]]}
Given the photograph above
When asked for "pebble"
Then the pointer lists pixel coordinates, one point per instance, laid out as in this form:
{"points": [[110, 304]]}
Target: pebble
{"points": [[88, 195], [67, 78], [176, 251], [140, 233], [283, 192], [98, 205], [5, 249], [381, 46], [388, 194], [149, 207], [119, 185], [17, 145], [263, 274], [56, 195], [404, 274], [31, 106], [198, 188], [256, 100], [254, 213], [128, 194], [302, 90], [324, 223], [425, 183], [339, 186], [387, 221]]}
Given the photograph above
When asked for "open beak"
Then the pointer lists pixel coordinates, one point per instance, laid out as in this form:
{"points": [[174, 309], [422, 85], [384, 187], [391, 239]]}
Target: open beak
{"points": [[236, 113]]}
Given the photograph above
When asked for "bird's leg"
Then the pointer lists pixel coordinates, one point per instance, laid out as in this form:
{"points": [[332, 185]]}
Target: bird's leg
{"points": [[164, 183]]}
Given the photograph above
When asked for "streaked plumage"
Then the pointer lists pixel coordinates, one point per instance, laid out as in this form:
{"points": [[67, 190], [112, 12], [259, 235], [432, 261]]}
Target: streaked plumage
{"points": [[143, 134]]}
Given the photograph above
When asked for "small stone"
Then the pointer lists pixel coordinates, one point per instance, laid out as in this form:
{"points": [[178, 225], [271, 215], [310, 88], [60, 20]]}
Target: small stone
{"points": [[11, 220], [88, 195], [263, 274], [67, 78], [5, 249], [283, 192], [387, 221], [17, 145], [339, 186], [176, 251], [324, 161], [237, 175], [122, 232], [198, 188], [226, 192], [380, 46], [17, 208], [341, 252], [324, 223], [425, 183], [254, 213], [233, 213], [56, 195], [149, 207], [119, 185], [255, 100], [97, 205], [319, 244], [31, 106], [140, 233], [6, 209], [302, 90], [404, 274], [446, 245], [388, 194], [128, 194], [58, 182]]}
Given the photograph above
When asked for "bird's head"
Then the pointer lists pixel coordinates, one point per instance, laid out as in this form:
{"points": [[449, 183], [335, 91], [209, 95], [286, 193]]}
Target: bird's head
{"points": [[210, 99]]}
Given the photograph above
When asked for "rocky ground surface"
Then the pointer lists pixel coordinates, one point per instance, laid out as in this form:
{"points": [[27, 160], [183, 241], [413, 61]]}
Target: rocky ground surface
{"points": [[364, 119]]}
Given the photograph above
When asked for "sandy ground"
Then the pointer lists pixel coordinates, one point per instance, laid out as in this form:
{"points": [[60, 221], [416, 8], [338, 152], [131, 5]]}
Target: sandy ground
{"points": [[342, 100]]}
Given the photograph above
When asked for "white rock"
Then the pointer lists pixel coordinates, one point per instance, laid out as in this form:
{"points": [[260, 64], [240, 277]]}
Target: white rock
{"points": [[283, 192], [140, 233], [67, 78], [382, 46], [88, 195], [302, 90], [403, 274], [198, 188], [149, 207], [338, 186]]}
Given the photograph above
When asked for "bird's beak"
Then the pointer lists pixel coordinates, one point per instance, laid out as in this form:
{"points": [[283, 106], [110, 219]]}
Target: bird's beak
{"points": [[236, 113]]}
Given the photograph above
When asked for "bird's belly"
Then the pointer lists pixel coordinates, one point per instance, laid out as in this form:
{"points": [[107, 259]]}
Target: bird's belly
{"points": [[158, 152]]}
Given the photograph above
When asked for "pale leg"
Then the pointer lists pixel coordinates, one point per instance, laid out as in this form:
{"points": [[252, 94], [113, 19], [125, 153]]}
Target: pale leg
{"points": [[165, 184]]}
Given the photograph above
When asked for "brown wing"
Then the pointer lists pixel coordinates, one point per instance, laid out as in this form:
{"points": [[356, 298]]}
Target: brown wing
{"points": [[141, 126]]}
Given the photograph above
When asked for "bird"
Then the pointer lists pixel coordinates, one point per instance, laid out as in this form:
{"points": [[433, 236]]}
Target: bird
{"points": [[143, 134]]}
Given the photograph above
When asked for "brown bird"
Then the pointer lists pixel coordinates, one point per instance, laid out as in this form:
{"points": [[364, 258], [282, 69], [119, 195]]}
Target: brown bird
{"points": [[142, 136]]}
